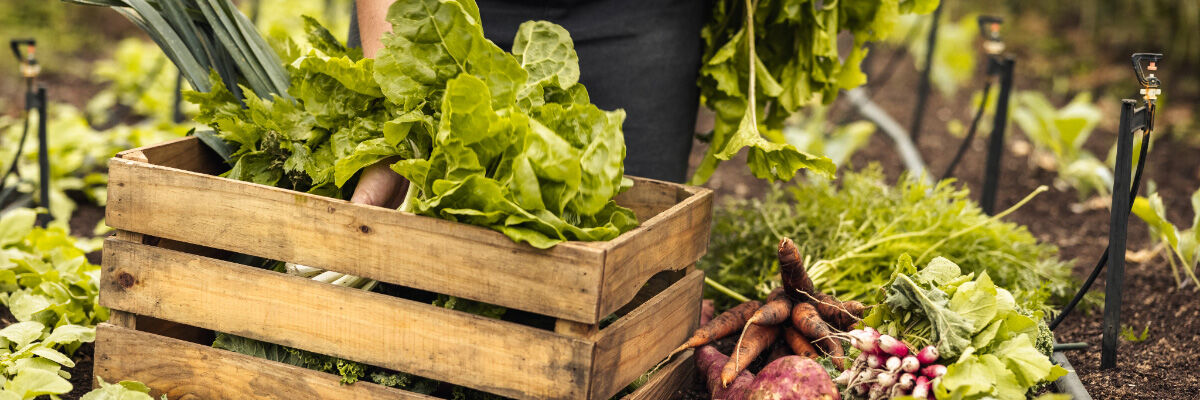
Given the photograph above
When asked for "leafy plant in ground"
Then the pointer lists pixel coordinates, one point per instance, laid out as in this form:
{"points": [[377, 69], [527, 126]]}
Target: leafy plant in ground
{"points": [[1183, 245], [953, 56], [1061, 133], [993, 347], [850, 234], [764, 60], [123, 390], [1130, 334]]}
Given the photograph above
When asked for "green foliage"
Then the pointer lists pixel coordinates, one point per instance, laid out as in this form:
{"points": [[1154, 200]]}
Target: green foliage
{"points": [[506, 141], [1183, 245], [1061, 133], [812, 133], [44, 274], [1130, 335], [971, 321], [140, 77], [754, 75], [848, 234], [123, 390], [953, 56]]}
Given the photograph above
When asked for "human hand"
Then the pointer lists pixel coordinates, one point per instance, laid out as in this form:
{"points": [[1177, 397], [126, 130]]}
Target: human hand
{"points": [[380, 186]]}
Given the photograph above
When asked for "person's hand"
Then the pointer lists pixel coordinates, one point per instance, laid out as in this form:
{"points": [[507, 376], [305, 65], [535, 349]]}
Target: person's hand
{"points": [[380, 186]]}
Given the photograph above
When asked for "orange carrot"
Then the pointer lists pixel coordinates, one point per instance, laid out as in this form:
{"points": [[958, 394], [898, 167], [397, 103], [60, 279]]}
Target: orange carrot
{"points": [[775, 312], [842, 315], [756, 339], [796, 282], [723, 325], [808, 322], [799, 344]]}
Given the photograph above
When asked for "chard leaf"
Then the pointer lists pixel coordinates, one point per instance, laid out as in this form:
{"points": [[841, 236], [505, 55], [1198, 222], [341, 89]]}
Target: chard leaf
{"points": [[975, 302], [1029, 365], [951, 332]]}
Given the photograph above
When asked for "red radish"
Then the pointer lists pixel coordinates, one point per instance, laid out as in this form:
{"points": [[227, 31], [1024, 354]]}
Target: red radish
{"points": [[906, 381], [875, 360], [934, 371], [892, 346], [845, 378], [921, 390], [886, 379], [928, 355], [910, 364], [892, 363], [866, 340]]}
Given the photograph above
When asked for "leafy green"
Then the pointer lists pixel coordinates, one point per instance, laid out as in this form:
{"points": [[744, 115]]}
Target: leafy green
{"points": [[981, 334], [123, 390], [44, 274], [846, 233], [810, 132], [765, 60], [1184, 245], [953, 56], [503, 140], [1061, 134]]}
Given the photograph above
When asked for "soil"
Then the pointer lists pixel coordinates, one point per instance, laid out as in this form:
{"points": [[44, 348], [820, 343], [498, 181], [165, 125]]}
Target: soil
{"points": [[1159, 367]]}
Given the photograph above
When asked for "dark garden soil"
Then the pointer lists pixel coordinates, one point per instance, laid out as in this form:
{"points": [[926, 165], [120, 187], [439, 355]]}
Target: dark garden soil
{"points": [[1164, 365]]}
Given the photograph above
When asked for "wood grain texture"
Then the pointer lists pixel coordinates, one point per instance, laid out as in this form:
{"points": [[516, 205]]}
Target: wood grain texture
{"points": [[186, 153], [639, 340], [426, 253], [490, 355], [673, 239], [390, 246], [185, 371], [665, 383]]}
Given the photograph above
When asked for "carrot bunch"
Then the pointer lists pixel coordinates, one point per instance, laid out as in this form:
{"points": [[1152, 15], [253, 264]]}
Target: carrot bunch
{"points": [[809, 322]]}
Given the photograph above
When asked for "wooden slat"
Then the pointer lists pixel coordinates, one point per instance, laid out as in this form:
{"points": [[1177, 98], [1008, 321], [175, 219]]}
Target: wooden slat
{"points": [[186, 153], [666, 383], [649, 197], [490, 355], [673, 239], [631, 346], [183, 370], [400, 248]]}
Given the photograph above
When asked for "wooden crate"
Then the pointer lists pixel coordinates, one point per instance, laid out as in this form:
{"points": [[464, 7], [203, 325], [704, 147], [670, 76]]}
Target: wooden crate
{"points": [[164, 280]]}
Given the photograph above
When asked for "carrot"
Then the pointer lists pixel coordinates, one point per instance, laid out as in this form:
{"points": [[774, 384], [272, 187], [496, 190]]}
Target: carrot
{"points": [[808, 322], [842, 315], [723, 325], [799, 344], [775, 312], [756, 339], [796, 282]]}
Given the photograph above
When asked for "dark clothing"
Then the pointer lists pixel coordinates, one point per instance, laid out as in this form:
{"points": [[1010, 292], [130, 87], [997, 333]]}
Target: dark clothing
{"points": [[639, 55]]}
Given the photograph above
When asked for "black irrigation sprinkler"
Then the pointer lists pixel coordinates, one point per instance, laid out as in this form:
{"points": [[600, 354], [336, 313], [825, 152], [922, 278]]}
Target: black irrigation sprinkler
{"points": [[25, 50], [999, 71], [1133, 119]]}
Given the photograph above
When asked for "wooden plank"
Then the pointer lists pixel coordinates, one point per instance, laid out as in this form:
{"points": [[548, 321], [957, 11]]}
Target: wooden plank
{"points": [[122, 319], [631, 346], [186, 153], [400, 248], [575, 329], [490, 355], [184, 370], [649, 197], [665, 384], [674, 239]]}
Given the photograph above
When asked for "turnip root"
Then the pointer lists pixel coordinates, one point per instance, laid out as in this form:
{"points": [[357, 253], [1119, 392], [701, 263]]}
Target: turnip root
{"points": [[793, 377], [710, 362]]}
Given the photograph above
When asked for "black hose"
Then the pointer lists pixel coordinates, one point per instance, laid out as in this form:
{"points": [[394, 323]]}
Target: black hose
{"points": [[962, 148], [1133, 191], [12, 166]]}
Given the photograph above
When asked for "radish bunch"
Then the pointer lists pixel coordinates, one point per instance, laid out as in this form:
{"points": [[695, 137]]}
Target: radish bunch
{"points": [[886, 368]]}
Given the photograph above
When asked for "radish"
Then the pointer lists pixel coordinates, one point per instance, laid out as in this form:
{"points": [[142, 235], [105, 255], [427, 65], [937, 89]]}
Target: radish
{"points": [[893, 363], [866, 340], [927, 355], [910, 364], [934, 371], [921, 390], [892, 346], [886, 379], [906, 381], [875, 360], [845, 378]]}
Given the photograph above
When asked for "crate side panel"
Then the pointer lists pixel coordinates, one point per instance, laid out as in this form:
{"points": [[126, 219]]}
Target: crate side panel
{"points": [[400, 248], [667, 381], [184, 370], [631, 346], [672, 240], [490, 355]]}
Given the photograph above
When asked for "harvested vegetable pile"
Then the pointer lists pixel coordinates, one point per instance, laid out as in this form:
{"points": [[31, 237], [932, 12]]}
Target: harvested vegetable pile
{"points": [[850, 235], [509, 141], [805, 320], [986, 345]]}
